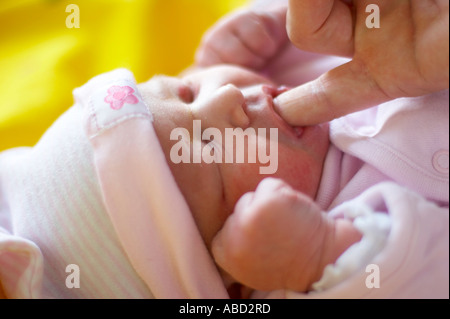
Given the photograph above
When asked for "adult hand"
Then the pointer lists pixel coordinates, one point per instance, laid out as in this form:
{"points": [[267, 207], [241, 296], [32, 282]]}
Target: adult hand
{"points": [[407, 56]]}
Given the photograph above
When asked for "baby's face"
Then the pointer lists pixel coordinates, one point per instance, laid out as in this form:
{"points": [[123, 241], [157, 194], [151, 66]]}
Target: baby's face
{"points": [[229, 97]]}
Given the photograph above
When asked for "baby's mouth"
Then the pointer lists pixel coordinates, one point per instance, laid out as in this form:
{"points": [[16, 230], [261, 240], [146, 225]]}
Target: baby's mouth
{"points": [[272, 92]]}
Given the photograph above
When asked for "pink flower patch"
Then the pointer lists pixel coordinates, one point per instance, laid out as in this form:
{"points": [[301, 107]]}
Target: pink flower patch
{"points": [[119, 95]]}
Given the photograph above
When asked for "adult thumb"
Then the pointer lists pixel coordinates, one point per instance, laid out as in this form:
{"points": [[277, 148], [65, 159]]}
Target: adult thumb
{"points": [[343, 90]]}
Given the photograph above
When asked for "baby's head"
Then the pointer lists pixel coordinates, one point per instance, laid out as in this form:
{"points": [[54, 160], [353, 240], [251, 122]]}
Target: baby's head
{"points": [[227, 99]]}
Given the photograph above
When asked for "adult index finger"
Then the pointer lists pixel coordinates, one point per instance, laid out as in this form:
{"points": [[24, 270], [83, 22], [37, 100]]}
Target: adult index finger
{"points": [[343, 90]]}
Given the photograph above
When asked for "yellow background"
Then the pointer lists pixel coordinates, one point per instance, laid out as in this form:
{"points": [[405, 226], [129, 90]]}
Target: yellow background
{"points": [[42, 61]]}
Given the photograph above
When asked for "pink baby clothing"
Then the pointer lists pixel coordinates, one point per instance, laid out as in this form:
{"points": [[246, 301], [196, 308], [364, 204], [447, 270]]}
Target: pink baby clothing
{"points": [[388, 171], [93, 211]]}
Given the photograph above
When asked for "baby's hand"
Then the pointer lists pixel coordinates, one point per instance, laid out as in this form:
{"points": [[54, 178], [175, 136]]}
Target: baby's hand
{"points": [[246, 38], [274, 239]]}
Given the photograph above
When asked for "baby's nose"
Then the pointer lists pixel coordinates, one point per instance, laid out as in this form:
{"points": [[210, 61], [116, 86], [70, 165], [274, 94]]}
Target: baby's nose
{"points": [[224, 109]]}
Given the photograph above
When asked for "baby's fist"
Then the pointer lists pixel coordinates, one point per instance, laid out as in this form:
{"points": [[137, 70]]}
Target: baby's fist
{"points": [[271, 240], [246, 38]]}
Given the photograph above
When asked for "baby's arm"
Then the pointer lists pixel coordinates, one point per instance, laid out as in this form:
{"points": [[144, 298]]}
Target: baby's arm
{"points": [[247, 37], [278, 238]]}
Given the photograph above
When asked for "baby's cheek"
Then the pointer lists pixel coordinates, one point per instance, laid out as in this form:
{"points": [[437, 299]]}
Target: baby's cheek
{"points": [[297, 168], [245, 179], [300, 171]]}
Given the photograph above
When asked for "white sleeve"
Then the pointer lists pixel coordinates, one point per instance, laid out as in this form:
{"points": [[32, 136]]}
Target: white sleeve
{"points": [[404, 252], [375, 227]]}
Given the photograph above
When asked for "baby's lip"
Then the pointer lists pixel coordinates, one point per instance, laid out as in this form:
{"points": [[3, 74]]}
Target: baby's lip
{"points": [[274, 91], [271, 93]]}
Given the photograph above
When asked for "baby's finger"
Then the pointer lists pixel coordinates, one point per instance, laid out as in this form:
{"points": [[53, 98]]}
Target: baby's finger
{"points": [[206, 56], [253, 213], [346, 89], [262, 33], [225, 245]]}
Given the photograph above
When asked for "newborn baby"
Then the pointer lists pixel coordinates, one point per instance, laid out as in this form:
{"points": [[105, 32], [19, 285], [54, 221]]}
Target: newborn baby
{"points": [[230, 97], [108, 205]]}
